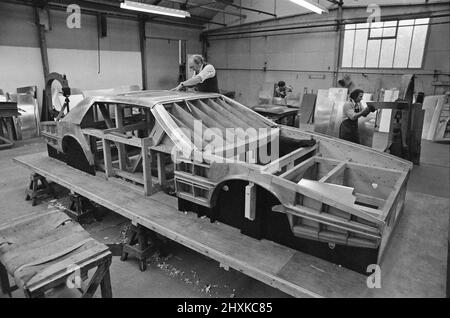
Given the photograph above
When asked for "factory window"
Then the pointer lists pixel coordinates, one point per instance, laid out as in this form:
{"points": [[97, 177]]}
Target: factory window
{"points": [[388, 44]]}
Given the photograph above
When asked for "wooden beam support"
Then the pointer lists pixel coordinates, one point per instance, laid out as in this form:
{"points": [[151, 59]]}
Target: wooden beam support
{"points": [[360, 165], [146, 166], [250, 201], [278, 164], [120, 147], [299, 169], [107, 158], [335, 172]]}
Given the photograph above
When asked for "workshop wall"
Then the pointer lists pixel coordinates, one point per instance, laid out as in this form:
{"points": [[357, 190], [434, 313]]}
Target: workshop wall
{"points": [[285, 8], [250, 63], [75, 52]]}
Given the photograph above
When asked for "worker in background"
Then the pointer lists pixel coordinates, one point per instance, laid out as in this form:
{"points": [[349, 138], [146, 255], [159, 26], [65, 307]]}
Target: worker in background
{"points": [[282, 89], [352, 111], [204, 78]]}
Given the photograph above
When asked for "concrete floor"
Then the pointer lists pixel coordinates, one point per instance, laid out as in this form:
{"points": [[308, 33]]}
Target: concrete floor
{"points": [[184, 273]]}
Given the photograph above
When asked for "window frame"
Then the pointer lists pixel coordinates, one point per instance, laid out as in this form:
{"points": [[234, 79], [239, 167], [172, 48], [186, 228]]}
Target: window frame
{"points": [[421, 67]]}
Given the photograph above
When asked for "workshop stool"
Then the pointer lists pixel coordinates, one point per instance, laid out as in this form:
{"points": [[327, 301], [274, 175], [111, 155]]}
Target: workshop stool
{"points": [[36, 190], [45, 250], [137, 245]]}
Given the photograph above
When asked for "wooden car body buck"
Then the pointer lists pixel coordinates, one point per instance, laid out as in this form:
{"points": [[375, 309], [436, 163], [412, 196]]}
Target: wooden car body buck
{"points": [[319, 193]]}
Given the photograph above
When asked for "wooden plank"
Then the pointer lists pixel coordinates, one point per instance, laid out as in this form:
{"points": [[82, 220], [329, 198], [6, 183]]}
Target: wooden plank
{"points": [[195, 138], [106, 116], [146, 166], [170, 127], [278, 164], [299, 169], [367, 199], [342, 150], [329, 219], [360, 165], [120, 147], [250, 201], [335, 172], [107, 158], [137, 126], [331, 201], [119, 139], [157, 134]]}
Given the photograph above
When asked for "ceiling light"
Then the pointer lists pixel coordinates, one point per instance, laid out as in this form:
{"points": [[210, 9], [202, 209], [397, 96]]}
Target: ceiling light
{"points": [[143, 7], [313, 6]]}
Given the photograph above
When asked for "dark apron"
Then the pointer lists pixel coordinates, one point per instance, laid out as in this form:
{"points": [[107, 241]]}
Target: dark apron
{"points": [[349, 130]]}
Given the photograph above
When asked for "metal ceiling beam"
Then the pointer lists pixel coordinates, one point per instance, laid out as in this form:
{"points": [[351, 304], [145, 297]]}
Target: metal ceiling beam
{"points": [[111, 12], [230, 3], [207, 7], [114, 6]]}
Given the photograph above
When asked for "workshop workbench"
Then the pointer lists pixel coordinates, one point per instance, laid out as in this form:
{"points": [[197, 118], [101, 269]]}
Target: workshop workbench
{"points": [[278, 113], [415, 264]]}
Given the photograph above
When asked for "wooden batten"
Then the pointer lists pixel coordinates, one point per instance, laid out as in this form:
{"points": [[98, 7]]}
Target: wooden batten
{"points": [[146, 165], [237, 120], [170, 127], [239, 114], [278, 164], [326, 199], [107, 158], [258, 117], [214, 114], [335, 173], [299, 169], [250, 201], [209, 121], [157, 134]]}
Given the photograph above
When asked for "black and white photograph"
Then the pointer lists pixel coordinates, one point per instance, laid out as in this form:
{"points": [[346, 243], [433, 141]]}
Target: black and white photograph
{"points": [[224, 156]]}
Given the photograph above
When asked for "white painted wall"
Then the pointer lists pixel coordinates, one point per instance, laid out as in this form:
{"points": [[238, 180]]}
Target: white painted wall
{"points": [[307, 60], [83, 70], [20, 66], [74, 52], [284, 8]]}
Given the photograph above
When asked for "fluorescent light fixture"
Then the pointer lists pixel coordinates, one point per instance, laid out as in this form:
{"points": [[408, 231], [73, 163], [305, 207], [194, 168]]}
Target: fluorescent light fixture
{"points": [[310, 5], [143, 7]]}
